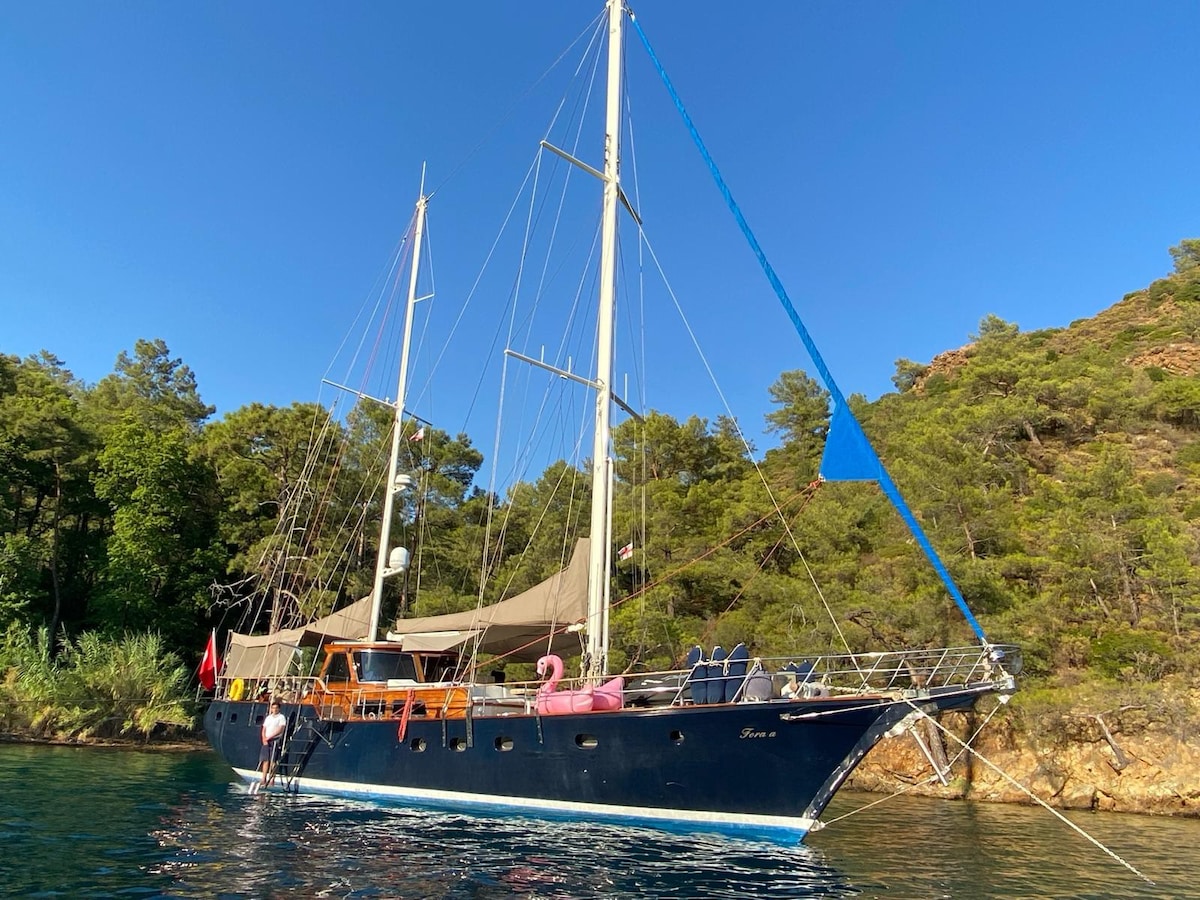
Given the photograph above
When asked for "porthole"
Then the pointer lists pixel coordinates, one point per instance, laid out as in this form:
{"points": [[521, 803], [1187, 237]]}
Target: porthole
{"points": [[504, 744], [677, 737], [233, 717], [458, 745], [417, 745], [219, 715], [586, 741]]}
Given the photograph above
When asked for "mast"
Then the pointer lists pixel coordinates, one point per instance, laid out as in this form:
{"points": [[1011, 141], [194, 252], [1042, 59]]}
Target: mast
{"points": [[596, 663], [382, 565]]}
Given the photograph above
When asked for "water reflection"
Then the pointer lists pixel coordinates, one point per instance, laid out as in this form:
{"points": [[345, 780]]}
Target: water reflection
{"points": [[329, 847], [1011, 851], [87, 823]]}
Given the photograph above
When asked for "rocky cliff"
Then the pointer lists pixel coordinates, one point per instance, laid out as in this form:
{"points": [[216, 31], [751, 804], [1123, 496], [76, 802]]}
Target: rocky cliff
{"points": [[1099, 765]]}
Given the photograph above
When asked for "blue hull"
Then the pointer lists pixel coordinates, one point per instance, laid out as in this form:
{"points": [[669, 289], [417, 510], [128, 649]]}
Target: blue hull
{"points": [[763, 769]]}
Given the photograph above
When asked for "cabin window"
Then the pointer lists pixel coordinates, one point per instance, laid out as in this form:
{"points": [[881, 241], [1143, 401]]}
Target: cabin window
{"points": [[384, 665], [338, 670], [417, 745], [439, 668], [458, 745], [504, 744], [586, 741]]}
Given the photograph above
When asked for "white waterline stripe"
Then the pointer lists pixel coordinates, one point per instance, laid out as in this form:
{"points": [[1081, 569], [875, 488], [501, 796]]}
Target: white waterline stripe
{"points": [[787, 825]]}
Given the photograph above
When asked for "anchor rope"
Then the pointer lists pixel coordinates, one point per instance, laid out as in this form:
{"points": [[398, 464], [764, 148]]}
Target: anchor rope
{"points": [[932, 778], [1034, 797]]}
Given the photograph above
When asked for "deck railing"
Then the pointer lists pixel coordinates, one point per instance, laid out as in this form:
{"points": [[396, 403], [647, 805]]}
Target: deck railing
{"points": [[906, 672]]}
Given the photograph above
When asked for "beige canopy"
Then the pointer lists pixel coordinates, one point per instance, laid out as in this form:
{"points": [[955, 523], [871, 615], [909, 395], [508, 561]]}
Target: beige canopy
{"points": [[267, 655], [520, 626]]}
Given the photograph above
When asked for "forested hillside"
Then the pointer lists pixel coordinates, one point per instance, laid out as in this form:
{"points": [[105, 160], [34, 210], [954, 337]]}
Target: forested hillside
{"points": [[1057, 472]]}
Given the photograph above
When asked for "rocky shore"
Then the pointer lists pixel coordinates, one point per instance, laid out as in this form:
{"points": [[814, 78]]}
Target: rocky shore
{"points": [[1094, 767]]}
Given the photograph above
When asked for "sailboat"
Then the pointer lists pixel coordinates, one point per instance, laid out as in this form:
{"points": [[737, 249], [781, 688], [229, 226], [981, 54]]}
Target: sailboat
{"points": [[404, 717]]}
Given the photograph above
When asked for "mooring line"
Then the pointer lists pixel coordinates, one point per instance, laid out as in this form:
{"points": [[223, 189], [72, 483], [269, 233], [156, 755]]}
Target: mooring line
{"points": [[904, 790], [916, 784], [1032, 796]]}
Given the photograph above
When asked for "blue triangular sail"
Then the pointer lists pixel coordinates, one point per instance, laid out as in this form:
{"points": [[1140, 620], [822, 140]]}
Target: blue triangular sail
{"points": [[845, 433], [848, 455]]}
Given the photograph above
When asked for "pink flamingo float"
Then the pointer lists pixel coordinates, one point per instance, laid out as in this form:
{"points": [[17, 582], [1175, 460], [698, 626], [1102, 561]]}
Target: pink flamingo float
{"points": [[552, 702]]}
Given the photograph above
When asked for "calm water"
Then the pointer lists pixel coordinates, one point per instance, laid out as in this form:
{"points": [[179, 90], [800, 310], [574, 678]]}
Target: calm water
{"points": [[118, 823]]}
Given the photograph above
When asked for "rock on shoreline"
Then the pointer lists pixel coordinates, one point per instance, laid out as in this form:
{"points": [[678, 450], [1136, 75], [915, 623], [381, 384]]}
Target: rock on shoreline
{"points": [[1149, 773]]}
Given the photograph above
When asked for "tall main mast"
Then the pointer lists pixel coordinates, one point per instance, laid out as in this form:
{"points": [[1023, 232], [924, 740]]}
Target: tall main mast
{"points": [[599, 552], [382, 569]]}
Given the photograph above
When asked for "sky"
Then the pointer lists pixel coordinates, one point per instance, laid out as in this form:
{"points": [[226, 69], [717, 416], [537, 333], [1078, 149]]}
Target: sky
{"points": [[232, 177]]}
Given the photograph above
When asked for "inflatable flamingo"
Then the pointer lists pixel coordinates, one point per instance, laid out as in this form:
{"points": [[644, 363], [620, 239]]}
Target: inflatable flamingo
{"points": [[610, 695], [551, 701]]}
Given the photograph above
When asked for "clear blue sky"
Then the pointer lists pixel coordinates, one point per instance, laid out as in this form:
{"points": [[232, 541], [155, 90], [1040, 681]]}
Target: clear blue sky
{"points": [[231, 177]]}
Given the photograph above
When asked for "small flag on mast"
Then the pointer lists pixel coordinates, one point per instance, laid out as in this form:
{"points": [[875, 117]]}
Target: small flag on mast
{"points": [[625, 552], [210, 664], [418, 435]]}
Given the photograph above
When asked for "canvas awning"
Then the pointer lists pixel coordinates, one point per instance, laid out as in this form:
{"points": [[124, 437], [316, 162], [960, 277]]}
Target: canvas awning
{"points": [[522, 626], [267, 655]]}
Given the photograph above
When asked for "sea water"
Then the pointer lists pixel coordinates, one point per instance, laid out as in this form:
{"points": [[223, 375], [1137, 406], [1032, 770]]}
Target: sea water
{"points": [[88, 822]]}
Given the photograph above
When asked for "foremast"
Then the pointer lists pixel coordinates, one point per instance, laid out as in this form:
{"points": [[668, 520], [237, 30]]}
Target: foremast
{"points": [[383, 563], [599, 557]]}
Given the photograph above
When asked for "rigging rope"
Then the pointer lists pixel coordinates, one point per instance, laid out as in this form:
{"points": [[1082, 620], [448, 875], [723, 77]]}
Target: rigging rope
{"points": [[596, 27], [841, 407], [746, 443], [678, 569]]}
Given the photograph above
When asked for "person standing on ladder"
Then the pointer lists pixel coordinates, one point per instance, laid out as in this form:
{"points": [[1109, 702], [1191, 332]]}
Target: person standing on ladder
{"points": [[272, 739]]}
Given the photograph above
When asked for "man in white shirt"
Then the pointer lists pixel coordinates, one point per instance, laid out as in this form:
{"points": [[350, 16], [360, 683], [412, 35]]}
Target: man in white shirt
{"points": [[273, 728]]}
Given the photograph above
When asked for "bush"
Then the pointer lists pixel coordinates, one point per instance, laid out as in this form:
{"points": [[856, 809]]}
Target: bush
{"points": [[1189, 454], [111, 689], [1160, 484], [95, 688], [1131, 655], [27, 680], [1177, 401]]}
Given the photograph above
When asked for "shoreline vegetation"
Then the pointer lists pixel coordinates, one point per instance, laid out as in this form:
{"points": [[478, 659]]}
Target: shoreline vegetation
{"points": [[1057, 472], [92, 688]]}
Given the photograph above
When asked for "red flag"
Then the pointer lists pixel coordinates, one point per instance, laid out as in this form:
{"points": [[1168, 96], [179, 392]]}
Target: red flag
{"points": [[418, 435], [625, 552], [210, 664]]}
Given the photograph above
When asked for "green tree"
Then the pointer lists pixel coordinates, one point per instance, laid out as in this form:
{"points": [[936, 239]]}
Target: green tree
{"points": [[1186, 255], [267, 459], [992, 326], [160, 392], [908, 373], [47, 453], [164, 553]]}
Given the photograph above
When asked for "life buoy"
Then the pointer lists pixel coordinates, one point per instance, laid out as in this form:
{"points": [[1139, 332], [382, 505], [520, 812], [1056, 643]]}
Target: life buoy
{"points": [[237, 689]]}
